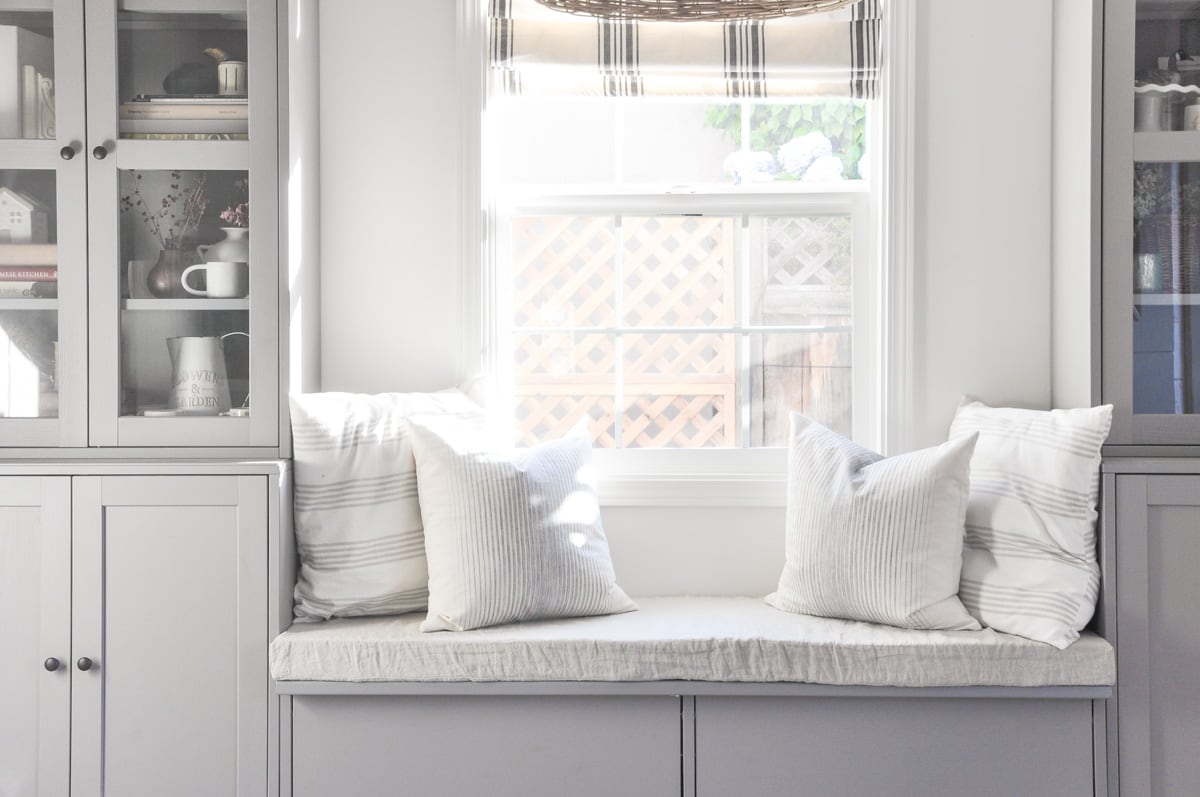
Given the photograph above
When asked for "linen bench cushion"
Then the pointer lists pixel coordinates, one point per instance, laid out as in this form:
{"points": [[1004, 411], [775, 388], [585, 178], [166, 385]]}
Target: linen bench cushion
{"points": [[689, 639]]}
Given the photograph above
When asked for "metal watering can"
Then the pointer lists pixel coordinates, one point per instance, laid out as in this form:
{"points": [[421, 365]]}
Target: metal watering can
{"points": [[199, 384]]}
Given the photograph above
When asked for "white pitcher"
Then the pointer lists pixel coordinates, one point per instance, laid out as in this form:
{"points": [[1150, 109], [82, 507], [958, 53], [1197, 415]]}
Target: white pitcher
{"points": [[199, 384]]}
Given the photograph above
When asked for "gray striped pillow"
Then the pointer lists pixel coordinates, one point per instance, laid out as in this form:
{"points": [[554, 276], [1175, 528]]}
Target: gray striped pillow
{"points": [[874, 539], [511, 535], [1029, 555], [358, 523]]}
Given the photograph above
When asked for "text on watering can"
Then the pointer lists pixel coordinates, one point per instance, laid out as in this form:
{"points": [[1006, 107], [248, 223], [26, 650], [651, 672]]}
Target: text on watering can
{"points": [[196, 377]]}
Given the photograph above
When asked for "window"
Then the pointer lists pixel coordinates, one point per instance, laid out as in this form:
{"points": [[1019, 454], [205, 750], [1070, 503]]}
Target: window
{"points": [[681, 272]]}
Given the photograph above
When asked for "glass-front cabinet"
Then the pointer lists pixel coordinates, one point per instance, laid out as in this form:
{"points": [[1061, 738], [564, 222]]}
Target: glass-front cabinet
{"points": [[1151, 221], [136, 307]]}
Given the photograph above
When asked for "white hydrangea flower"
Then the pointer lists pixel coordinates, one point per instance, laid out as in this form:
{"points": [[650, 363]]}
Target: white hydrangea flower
{"points": [[751, 167], [800, 153], [827, 169]]}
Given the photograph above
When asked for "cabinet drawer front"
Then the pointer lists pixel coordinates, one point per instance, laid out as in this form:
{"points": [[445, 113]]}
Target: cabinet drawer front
{"points": [[453, 746], [906, 746]]}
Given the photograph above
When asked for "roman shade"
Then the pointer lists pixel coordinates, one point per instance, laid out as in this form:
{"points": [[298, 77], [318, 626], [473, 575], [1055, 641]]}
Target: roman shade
{"points": [[537, 51]]}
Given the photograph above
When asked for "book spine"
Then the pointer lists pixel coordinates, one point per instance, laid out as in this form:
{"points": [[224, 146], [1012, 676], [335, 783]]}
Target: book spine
{"points": [[28, 290], [188, 136], [36, 273], [201, 111], [26, 255], [129, 126]]}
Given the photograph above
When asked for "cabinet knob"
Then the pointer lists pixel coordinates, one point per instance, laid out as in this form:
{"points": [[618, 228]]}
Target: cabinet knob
{"points": [[51, 664], [67, 153], [100, 153], [84, 663]]}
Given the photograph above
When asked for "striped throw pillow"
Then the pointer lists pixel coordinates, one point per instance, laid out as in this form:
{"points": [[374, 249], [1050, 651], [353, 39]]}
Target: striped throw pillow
{"points": [[874, 539], [358, 523], [1029, 553], [511, 535]]}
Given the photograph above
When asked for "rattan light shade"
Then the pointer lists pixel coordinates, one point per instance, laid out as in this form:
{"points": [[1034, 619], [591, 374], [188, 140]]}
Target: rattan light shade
{"points": [[688, 10]]}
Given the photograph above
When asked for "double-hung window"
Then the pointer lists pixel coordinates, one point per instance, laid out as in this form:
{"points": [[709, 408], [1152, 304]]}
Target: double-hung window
{"points": [[682, 232]]}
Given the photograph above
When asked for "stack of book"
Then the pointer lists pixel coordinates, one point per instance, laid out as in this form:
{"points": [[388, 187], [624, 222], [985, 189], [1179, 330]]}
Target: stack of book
{"points": [[185, 117], [28, 271]]}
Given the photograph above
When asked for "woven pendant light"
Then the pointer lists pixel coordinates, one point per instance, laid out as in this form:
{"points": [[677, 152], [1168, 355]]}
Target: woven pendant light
{"points": [[689, 10]]}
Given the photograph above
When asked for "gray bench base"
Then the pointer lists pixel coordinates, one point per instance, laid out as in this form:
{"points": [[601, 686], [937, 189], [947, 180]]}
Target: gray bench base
{"points": [[691, 739]]}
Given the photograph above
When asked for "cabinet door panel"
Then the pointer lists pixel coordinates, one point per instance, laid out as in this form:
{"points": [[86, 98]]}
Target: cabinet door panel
{"points": [[846, 747], [35, 624], [178, 701], [1158, 658]]}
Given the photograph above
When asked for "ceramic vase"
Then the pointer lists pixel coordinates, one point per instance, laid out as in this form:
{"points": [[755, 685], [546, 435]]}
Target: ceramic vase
{"points": [[165, 280], [234, 247]]}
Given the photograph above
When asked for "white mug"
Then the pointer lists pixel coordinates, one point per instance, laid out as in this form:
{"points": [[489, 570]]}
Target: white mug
{"points": [[231, 77], [226, 279]]}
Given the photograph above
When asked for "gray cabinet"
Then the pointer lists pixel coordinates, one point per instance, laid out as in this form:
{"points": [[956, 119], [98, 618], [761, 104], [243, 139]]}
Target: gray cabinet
{"points": [[1158, 622], [151, 593], [103, 206], [35, 624]]}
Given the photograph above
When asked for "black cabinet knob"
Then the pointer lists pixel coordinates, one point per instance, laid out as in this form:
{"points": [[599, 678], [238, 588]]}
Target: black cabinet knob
{"points": [[99, 153], [51, 664], [67, 153], [84, 663]]}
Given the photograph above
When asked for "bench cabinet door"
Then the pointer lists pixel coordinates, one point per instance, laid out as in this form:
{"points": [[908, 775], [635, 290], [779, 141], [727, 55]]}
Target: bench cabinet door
{"points": [[170, 606], [500, 746], [932, 747], [1158, 626], [35, 628]]}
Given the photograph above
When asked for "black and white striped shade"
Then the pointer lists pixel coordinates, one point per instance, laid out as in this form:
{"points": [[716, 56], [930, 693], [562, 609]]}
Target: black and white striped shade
{"points": [[685, 10]]}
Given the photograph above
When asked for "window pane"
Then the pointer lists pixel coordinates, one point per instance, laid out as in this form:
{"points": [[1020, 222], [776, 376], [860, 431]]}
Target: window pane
{"points": [[679, 421], [563, 271], [804, 276], [680, 390], [557, 142], [678, 271], [675, 143], [808, 373]]}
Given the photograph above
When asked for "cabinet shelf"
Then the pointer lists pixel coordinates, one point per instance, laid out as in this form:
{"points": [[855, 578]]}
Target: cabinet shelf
{"points": [[185, 155], [28, 304], [175, 305], [1176, 145], [1166, 299]]}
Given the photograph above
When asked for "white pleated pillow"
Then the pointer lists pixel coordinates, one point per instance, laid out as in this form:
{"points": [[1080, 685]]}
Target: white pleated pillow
{"points": [[511, 535], [1029, 556], [872, 538], [358, 522]]}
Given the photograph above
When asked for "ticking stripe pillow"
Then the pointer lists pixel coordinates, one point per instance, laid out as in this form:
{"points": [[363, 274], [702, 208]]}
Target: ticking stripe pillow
{"points": [[511, 535], [874, 539], [358, 523], [1029, 555]]}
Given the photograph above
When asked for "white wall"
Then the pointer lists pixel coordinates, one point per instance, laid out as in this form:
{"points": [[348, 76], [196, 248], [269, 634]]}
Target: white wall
{"points": [[390, 306], [390, 298], [982, 230]]}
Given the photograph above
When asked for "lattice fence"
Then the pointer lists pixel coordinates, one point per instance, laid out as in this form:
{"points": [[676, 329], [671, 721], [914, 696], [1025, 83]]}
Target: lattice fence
{"points": [[635, 282]]}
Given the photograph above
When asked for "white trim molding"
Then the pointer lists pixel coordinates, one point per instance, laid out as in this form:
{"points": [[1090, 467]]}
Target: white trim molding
{"points": [[895, 216]]}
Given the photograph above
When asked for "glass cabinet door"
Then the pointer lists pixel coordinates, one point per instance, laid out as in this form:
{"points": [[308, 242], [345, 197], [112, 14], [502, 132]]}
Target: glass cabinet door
{"points": [[1151, 221], [184, 314], [43, 354]]}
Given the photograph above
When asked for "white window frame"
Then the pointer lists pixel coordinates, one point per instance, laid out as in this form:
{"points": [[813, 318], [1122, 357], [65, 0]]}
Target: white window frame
{"points": [[881, 363]]}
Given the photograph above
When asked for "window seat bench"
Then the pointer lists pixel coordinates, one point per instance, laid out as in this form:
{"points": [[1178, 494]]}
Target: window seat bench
{"points": [[687, 696], [684, 639]]}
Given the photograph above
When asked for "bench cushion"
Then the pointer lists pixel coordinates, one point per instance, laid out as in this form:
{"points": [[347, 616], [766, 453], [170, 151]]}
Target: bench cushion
{"points": [[684, 638]]}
